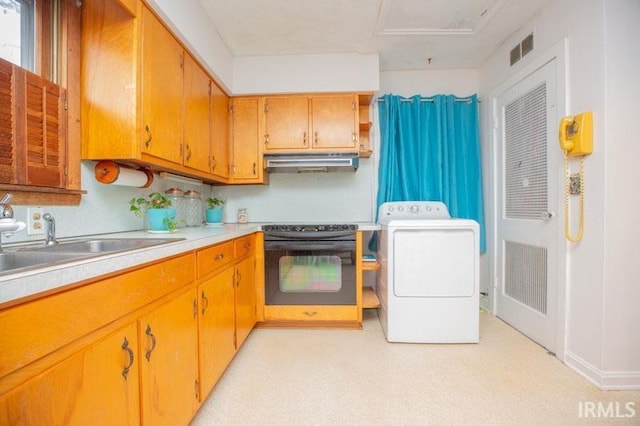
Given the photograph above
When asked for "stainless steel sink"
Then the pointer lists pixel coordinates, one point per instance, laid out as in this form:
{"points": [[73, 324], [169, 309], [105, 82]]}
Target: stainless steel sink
{"points": [[33, 257], [103, 245], [12, 260]]}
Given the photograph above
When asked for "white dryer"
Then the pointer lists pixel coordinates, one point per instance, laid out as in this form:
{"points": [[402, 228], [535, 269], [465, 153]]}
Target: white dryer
{"points": [[428, 283]]}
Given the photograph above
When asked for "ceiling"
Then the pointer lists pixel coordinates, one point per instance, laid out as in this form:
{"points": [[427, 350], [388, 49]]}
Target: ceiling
{"points": [[407, 34]]}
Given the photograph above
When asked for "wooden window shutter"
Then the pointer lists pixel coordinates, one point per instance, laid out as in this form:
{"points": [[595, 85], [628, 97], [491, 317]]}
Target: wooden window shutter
{"points": [[8, 168], [45, 136]]}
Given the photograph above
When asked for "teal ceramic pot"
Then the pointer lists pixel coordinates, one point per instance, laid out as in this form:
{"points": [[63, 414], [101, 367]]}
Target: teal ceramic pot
{"points": [[157, 218], [214, 215]]}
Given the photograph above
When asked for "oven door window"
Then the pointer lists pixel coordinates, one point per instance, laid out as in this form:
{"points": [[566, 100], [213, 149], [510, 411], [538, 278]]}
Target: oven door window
{"points": [[310, 277], [310, 274]]}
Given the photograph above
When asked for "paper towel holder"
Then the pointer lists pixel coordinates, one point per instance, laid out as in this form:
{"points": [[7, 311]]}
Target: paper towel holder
{"points": [[109, 172]]}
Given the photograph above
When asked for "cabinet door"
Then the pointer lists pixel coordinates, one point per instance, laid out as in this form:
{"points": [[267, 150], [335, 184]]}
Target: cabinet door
{"points": [[162, 91], [335, 122], [197, 140], [246, 165], [169, 370], [219, 132], [286, 123], [98, 386], [245, 299], [216, 328]]}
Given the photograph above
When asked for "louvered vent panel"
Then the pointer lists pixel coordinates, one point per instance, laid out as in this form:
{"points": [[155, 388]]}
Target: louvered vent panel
{"points": [[7, 151], [526, 274], [45, 133], [526, 156], [53, 125]]}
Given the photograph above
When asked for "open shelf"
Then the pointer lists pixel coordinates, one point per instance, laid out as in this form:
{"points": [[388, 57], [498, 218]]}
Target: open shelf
{"points": [[369, 298], [370, 266]]}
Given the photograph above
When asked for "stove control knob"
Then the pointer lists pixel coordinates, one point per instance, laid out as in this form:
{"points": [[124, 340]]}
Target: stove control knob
{"points": [[400, 208], [428, 208], [414, 208]]}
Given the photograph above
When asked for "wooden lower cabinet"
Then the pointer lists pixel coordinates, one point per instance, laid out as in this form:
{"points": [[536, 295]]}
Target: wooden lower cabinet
{"points": [[245, 299], [216, 328], [168, 366], [142, 347], [97, 386]]}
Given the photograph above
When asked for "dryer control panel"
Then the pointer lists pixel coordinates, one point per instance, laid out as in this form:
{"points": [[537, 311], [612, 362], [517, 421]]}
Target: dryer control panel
{"points": [[412, 210]]}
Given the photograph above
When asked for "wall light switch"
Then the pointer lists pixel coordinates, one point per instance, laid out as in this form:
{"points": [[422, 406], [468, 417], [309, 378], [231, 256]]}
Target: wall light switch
{"points": [[35, 222]]}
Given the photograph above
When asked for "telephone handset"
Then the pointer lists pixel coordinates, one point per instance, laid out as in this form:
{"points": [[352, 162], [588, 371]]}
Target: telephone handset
{"points": [[576, 140]]}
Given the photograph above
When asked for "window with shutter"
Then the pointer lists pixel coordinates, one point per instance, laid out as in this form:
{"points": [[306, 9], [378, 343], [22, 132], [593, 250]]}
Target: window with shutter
{"points": [[39, 136]]}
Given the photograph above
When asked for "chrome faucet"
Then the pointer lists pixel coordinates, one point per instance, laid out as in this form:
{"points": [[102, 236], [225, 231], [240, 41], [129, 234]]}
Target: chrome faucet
{"points": [[7, 222], [51, 230]]}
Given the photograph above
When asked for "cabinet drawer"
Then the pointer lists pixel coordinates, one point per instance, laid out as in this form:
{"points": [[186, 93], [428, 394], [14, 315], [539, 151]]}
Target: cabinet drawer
{"points": [[245, 246], [214, 257], [310, 313], [57, 320]]}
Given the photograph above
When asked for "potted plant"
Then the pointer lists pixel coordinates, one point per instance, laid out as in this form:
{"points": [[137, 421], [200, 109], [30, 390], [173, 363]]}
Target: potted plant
{"points": [[160, 214], [214, 210]]}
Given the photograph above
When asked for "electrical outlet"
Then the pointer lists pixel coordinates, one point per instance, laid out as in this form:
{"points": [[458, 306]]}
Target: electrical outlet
{"points": [[35, 222]]}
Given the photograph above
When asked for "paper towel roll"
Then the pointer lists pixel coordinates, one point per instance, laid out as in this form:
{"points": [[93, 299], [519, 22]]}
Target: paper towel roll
{"points": [[109, 172]]}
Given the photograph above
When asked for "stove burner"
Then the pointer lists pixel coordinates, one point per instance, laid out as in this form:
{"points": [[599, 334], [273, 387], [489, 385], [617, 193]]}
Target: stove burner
{"points": [[310, 228]]}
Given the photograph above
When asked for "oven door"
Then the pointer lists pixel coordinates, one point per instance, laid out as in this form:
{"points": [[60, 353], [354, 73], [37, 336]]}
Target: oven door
{"points": [[310, 272]]}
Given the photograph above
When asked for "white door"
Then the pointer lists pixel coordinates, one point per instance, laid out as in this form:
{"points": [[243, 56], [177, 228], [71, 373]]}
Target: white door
{"points": [[527, 223]]}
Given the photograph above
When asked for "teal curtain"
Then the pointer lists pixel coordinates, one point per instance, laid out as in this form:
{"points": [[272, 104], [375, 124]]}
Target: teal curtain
{"points": [[430, 151]]}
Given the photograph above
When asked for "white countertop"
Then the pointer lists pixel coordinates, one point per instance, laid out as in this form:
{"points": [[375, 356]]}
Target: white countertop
{"points": [[28, 283]]}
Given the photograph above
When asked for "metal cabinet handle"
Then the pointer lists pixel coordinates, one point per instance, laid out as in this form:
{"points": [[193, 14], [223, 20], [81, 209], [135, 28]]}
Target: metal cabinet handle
{"points": [[266, 139], [125, 347], [238, 278], [147, 143], [214, 163], [153, 342], [247, 245], [315, 140], [218, 257], [310, 314], [304, 139], [254, 168], [205, 303], [188, 152]]}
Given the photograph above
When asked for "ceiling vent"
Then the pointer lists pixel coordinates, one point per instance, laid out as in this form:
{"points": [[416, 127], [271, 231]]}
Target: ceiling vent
{"points": [[521, 49]]}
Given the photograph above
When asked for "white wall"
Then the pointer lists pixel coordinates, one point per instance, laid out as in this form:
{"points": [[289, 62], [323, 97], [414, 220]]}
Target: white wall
{"points": [[601, 312], [305, 73], [621, 303]]}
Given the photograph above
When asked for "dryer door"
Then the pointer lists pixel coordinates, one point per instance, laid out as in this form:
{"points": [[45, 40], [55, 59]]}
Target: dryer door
{"points": [[434, 261]]}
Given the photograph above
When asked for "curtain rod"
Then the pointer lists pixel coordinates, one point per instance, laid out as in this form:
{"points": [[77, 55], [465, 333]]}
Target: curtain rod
{"points": [[467, 100]]}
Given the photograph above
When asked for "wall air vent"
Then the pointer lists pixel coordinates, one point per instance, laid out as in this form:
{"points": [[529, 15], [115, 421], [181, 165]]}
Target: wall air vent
{"points": [[521, 49], [514, 55], [527, 44]]}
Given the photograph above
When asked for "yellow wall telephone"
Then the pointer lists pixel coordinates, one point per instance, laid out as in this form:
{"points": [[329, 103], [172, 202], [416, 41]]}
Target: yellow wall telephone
{"points": [[576, 140]]}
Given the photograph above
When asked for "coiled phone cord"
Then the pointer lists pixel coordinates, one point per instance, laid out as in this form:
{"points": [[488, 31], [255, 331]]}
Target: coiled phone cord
{"points": [[567, 190]]}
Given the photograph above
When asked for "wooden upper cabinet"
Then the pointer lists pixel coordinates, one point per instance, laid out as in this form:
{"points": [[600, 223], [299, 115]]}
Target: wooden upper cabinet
{"points": [[334, 122], [219, 133], [146, 100], [286, 123], [246, 126], [303, 123], [197, 129], [162, 90]]}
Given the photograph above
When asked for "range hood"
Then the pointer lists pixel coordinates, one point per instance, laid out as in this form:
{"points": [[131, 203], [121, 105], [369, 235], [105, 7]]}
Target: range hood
{"points": [[311, 163]]}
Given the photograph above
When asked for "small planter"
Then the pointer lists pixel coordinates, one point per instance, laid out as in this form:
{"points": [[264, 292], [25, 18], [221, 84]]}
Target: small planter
{"points": [[161, 219], [214, 216]]}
